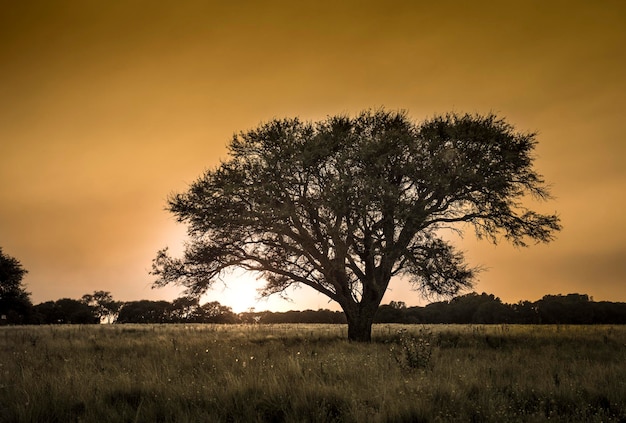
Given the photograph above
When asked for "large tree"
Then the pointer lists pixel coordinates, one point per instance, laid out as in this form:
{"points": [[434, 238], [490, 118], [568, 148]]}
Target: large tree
{"points": [[15, 304], [345, 204]]}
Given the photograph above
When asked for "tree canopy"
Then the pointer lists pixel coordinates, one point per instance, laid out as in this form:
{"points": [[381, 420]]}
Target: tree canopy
{"points": [[15, 302], [103, 304], [344, 204]]}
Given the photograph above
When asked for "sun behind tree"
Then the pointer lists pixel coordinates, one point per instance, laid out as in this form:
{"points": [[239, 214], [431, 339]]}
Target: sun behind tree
{"points": [[345, 204]]}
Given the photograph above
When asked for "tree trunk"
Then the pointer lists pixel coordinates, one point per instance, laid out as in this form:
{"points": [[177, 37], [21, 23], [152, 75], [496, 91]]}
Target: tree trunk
{"points": [[360, 325]]}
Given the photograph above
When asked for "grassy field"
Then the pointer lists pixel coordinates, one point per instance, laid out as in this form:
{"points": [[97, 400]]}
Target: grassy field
{"points": [[309, 373]]}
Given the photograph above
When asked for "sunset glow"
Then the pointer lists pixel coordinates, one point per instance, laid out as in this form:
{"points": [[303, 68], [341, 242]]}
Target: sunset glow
{"points": [[107, 108]]}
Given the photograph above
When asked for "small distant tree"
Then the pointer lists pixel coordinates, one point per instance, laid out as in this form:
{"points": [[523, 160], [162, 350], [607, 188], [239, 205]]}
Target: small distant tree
{"points": [[398, 305], [103, 304], [345, 204], [144, 311], [566, 309], [214, 312], [15, 304], [526, 312], [66, 311], [184, 309], [388, 313], [47, 313]]}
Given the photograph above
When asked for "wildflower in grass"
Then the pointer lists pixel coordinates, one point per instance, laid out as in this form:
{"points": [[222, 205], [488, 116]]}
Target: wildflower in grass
{"points": [[411, 352]]}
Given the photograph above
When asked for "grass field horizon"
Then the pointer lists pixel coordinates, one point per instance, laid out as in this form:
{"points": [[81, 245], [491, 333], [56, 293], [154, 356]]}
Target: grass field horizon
{"points": [[311, 373]]}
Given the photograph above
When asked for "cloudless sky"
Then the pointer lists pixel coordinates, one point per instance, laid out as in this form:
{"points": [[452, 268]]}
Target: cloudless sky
{"points": [[108, 107]]}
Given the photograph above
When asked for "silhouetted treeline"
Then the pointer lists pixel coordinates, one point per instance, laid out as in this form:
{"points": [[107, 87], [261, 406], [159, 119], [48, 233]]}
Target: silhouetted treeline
{"points": [[305, 316], [100, 307], [64, 311], [181, 310], [470, 308], [485, 308]]}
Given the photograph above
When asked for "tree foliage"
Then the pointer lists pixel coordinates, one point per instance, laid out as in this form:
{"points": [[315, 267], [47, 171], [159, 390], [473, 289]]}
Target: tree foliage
{"points": [[345, 204], [181, 310], [15, 304], [103, 304], [65, 311], [144, 311], [487, 309]]}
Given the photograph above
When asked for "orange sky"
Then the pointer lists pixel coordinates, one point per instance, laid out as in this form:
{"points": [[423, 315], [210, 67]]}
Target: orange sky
{"points": [[107, 107]]}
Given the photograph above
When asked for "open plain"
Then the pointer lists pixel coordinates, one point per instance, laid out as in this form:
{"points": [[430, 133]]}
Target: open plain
{"points": [[310, 373]]}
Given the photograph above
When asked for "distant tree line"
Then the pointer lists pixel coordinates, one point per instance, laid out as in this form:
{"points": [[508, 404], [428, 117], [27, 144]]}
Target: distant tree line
{"points": [[470, 308], [100, 307], [485, 308]]}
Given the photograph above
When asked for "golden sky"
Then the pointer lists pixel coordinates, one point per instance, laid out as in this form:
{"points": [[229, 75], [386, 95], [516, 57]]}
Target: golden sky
{"points": [[106, 107]]}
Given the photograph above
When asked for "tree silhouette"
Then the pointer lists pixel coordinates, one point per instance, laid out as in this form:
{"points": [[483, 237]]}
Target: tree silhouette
{"points": [[66, 311], [345, 204], [144, 311], [103, 304], [214, 312], [15, 304], [184, 309]]}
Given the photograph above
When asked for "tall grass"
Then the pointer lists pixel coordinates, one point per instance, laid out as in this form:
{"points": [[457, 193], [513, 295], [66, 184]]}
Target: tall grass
{"points": [[196, 373]]}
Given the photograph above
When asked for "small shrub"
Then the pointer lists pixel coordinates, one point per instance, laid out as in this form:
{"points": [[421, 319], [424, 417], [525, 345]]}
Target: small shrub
{"points": [[128, 397], [413, 352]]}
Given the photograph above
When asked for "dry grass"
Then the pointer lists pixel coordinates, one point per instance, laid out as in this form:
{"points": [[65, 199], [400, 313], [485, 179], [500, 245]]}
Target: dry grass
{"points": [[191, 373]]}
